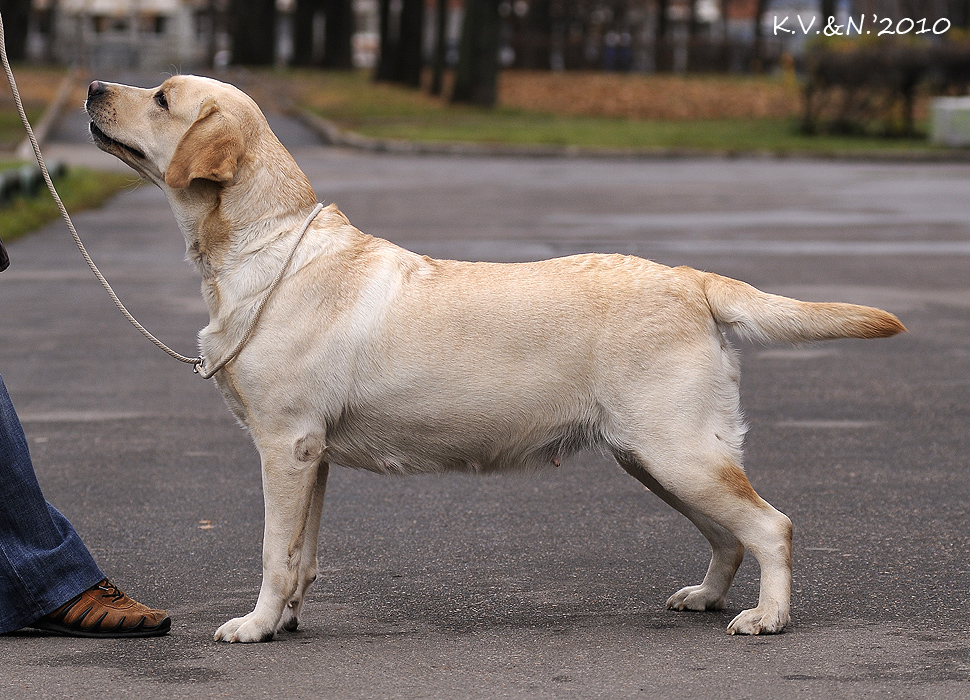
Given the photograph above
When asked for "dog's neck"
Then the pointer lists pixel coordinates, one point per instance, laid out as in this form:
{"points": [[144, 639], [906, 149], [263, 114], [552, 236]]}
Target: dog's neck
{"points": [[223, 220], [228, 226]]}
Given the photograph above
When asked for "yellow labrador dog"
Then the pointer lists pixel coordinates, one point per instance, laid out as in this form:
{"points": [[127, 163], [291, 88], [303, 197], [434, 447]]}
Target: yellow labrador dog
{"points": [[373, 357]]}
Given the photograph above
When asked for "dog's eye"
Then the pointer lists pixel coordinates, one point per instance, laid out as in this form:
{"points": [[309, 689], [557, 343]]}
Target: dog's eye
{"points": [[161, 100]]}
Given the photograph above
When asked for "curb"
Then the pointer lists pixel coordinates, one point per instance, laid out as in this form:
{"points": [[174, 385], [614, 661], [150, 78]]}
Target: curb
{"points": [[333, 135]]}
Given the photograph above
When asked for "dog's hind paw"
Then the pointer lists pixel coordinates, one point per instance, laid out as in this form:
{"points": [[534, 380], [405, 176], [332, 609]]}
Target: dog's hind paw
{"points": [[290, 620], [696, 598], [759, 621], [245, 629]]}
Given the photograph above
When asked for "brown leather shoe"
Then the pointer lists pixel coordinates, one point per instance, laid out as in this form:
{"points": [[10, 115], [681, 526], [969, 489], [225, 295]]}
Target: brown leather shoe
{"points": [[105, 611]]}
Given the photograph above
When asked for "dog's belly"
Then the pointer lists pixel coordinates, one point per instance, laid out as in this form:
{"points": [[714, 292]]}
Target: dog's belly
{"points": [[388, 446]]}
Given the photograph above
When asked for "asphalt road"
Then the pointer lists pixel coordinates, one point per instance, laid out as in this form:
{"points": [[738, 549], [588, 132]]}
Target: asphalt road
{"points": [[543, 586]]}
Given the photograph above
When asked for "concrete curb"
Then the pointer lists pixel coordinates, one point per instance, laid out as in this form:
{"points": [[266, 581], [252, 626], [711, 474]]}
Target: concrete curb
{"points": [[333, 135]]}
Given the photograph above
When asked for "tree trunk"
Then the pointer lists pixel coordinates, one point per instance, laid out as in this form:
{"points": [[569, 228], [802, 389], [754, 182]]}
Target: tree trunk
{"points": [[411, 43], [761, 6], [16, 15], [253, 30], [476, 76], [440, 47], [303, 15], [537, 41], [387, 59], [725, 37], [338, 45], [661, 52], [828, 10]]}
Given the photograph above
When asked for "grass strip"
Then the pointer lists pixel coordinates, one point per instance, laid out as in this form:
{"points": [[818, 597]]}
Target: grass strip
{"points": [[80, 189], [12, 129], [780, 136], [384, 111]]}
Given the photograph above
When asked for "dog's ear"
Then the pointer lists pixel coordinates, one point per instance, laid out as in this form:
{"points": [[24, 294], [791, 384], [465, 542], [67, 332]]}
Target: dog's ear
{"points": [[210, 149]]}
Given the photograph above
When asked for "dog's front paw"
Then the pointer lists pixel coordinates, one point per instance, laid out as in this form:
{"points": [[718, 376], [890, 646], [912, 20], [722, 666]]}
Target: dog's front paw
{"points": [[696, 598], [758, 621], [246, 629]]}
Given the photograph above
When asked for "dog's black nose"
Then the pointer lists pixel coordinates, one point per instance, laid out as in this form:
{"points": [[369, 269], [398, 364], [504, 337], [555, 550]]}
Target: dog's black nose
{"points": [[96, 88]]}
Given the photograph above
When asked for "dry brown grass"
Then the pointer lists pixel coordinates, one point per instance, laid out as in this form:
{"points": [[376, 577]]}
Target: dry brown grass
{"points": [[573, 93], [654, 97]]}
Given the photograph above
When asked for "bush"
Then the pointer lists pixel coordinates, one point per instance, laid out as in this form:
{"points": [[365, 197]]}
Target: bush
{"points": [[862, 87]]}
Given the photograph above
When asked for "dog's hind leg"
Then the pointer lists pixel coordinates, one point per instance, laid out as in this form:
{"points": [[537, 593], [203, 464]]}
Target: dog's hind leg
{"points": [[308, 560], [680, 434], [717, 496], [290, 482], [726, 556]]}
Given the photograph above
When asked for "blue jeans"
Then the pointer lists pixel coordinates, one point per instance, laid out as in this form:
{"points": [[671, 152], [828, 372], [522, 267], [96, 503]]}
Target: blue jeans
{"points": [[43, 562]]}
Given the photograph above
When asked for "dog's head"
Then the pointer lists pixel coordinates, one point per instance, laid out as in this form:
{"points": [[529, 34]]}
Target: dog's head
{"points": [[210, 149], [186, 129]]}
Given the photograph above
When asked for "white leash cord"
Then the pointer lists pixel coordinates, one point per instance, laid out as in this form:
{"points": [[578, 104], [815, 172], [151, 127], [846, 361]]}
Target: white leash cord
{"points": [[198, 363]]}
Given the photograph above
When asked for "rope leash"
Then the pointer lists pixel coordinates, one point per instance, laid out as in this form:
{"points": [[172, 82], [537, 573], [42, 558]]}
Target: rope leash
{"points": [[200, 366], [198, 363]]}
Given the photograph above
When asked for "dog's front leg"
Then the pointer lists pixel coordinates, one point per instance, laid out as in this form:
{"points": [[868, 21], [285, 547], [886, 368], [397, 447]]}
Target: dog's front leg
{"points": [[289, 485], [308, 561]]}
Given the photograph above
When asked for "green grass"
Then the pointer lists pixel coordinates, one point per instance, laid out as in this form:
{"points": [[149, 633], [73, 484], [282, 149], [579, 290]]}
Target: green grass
{"points": [[12, 129], [356, 104], [79, 189], [730, 135]]}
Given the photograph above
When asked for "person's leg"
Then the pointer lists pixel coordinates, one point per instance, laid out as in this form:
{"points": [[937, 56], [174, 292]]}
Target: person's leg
{"points": [[43, 562]]}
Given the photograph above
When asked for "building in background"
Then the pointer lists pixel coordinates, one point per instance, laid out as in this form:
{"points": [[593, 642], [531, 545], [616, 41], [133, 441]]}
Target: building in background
{"points": [[175, 35], [120, 33], [638, 35]]}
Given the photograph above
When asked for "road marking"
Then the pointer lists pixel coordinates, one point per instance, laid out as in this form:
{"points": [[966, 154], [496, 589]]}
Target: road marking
{"points": [[778, 218], [828, 424], [820, 248], [796, 354], [80, 416]]}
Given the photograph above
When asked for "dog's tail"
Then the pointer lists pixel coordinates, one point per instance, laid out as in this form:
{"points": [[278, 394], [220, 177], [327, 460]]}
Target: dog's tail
{"points": [[760, 316]]}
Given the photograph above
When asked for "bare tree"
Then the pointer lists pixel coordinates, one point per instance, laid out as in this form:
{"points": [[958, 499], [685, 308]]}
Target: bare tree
{"points": [[388, 36], [476, 76], [338, 47], [411, 44], [758, 64], [16, 15], [252, 25], [537, 40], [338, 50], [303, 17], [661, 54], [440, 59], [401, 37]]}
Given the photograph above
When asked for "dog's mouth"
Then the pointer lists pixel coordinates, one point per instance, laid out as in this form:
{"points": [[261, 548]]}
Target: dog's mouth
{"points": [[106, 142]]}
